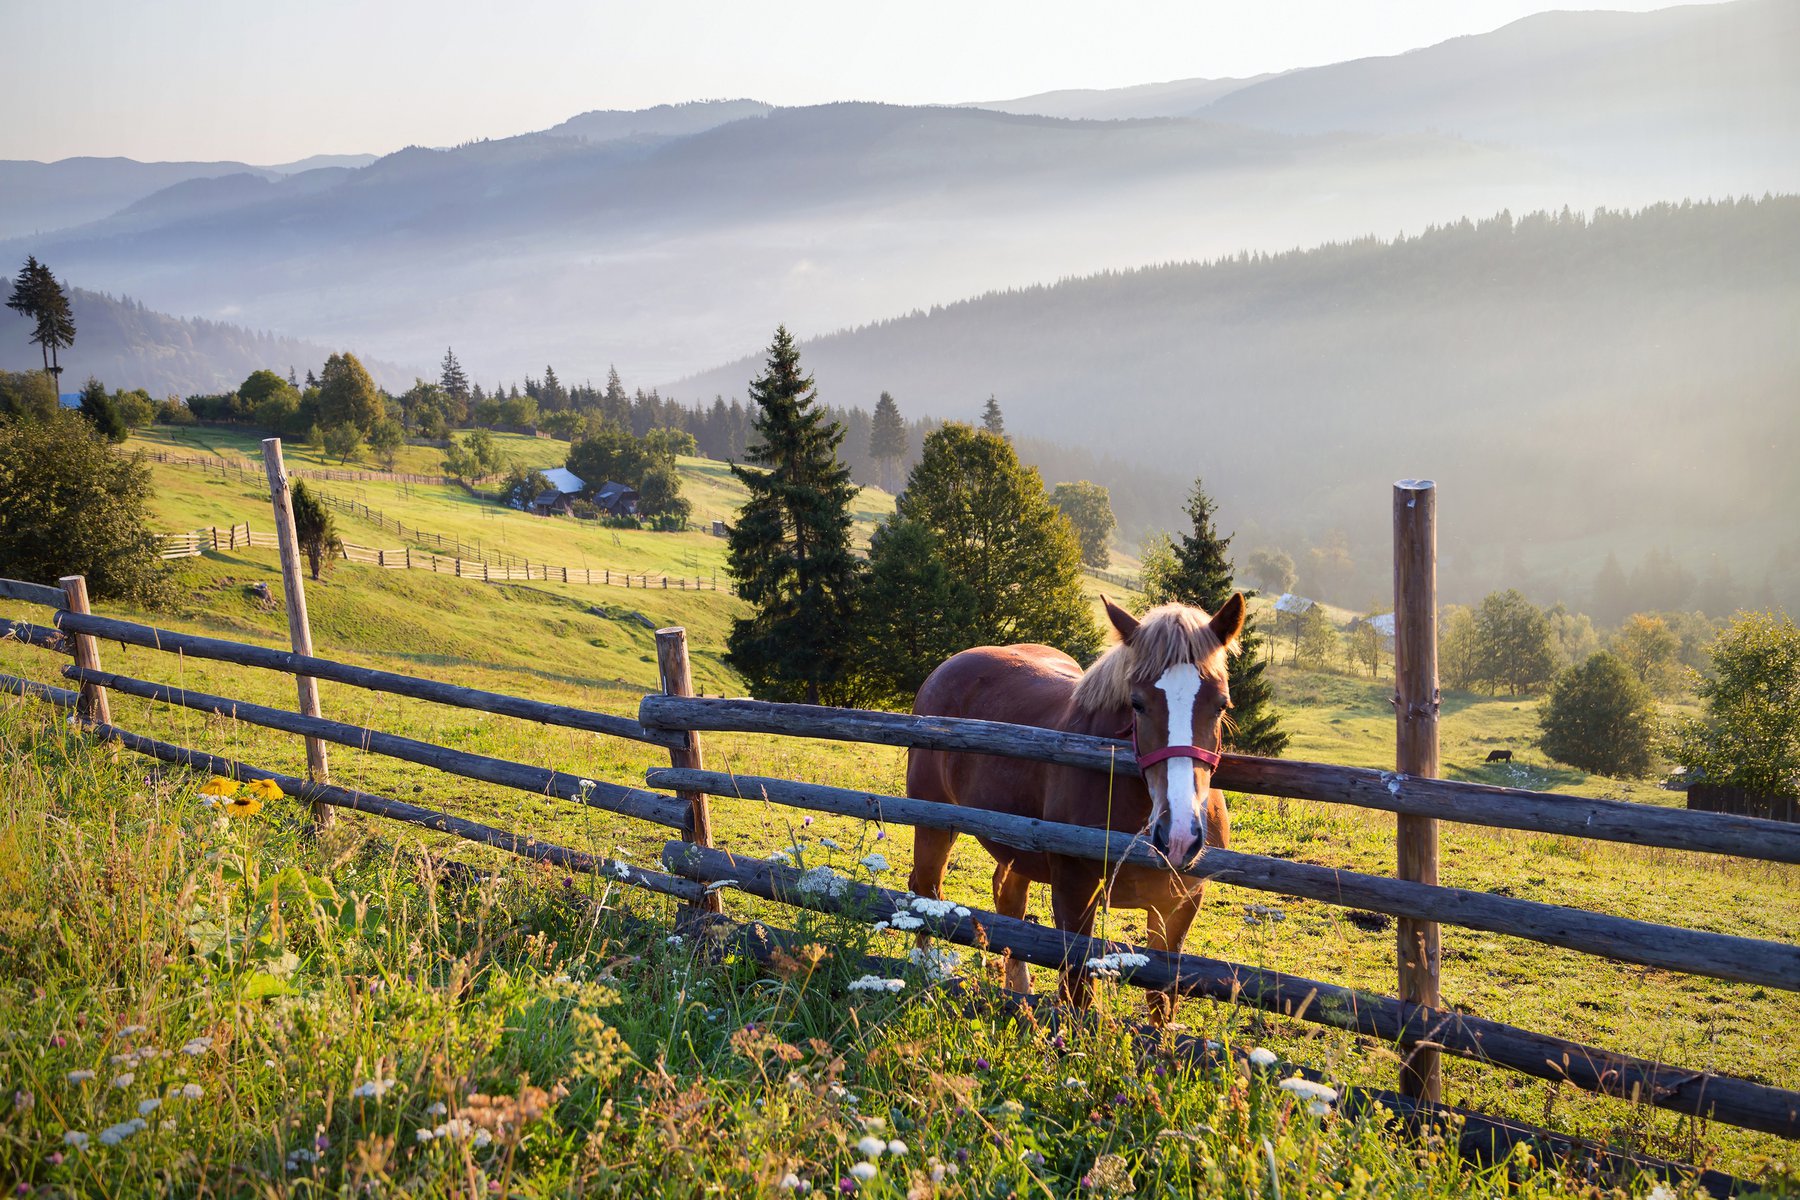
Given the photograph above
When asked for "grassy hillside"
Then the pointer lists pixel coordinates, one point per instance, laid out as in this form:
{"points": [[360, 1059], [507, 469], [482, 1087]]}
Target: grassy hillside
{"points": [[550, 643]]}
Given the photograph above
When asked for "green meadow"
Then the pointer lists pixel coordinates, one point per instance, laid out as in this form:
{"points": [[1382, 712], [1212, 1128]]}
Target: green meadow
{"points": [[684, 1103]]}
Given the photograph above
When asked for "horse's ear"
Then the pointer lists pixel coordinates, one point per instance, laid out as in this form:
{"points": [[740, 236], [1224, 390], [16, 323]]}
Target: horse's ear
{"points": [[1228, 622], [1121, 620]]}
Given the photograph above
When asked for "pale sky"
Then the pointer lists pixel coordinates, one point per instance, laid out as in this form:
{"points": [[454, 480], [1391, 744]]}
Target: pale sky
{"points": [[267, 81]]}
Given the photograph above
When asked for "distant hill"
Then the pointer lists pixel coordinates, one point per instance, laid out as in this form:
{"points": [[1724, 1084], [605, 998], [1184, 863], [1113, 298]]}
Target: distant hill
{"points": [[126, 345], [1575, 385], [40, 197], [664, 120], [1177, 98]]}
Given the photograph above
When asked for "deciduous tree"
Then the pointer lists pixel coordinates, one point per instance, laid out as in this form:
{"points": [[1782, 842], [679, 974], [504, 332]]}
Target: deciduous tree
{"points": [[1749, 733], [914, 613], [1600, 717], [1647, 645], [347, 395], [1513, 649], [1089, 509]]}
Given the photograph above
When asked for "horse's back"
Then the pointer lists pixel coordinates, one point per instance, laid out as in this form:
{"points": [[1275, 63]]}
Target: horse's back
{"points": [[1023, 685]]}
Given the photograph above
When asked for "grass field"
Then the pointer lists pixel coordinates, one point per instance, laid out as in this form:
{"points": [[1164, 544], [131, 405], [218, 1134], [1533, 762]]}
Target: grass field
{"points": [[592, 646]]}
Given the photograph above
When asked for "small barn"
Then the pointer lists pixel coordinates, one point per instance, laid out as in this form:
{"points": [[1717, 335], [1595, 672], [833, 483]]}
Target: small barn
{"points": [[616, 499], [560, 496]]}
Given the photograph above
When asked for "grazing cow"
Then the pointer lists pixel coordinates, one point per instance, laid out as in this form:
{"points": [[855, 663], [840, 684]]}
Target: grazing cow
{"points": [[1504, 756]]}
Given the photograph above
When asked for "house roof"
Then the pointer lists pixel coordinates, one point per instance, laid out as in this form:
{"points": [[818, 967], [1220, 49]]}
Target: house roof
{"points": [[548, 497], [564, 480], [610, 489], [1290, 603]]}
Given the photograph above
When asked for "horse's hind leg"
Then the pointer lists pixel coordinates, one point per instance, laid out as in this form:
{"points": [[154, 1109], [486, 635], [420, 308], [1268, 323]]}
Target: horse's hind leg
{"points": [[1011, 891]]}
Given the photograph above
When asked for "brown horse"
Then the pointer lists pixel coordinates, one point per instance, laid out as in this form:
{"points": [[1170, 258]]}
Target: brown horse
{"points": [[1163, 685]]}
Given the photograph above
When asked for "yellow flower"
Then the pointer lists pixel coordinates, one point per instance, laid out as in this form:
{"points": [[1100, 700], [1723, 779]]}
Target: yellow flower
{"points": [[218, 785], [241, 806], [263, 789]]}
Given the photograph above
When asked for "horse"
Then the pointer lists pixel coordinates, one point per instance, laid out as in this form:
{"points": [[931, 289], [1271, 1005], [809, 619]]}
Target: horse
{"points": [[1163, 684]]}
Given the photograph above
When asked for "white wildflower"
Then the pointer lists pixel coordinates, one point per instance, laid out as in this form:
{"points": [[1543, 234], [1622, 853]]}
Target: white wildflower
{"points": [[865, 1171], [197, 1046], [191, 1091], [1110, 965], [1074, 1084], [875, 983], [829, 844], [906, 921], [933, 908], [1307, 1089], [112, 1135], [75, 1138], [80, 1076], [793, 1183], [936, 962], [622, 870], [146, 1107], [422, 1135], [132, 1030], [437, 1109], [783, 858], [374, 1089], [822, 881], [871, 1147], [674, 939], [1262, 1057], [875, 863], [962, 910], [123, 1080], [879, 927], [897, 1147]]}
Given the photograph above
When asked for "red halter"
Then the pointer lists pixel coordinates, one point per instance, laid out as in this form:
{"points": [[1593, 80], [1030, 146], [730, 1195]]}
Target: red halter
{"points": [[1208, 757]]}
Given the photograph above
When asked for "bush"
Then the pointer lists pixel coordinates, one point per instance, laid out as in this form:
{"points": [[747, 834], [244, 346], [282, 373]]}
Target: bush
{"points": [[72, 505], [314, 529], [1600, 717]]}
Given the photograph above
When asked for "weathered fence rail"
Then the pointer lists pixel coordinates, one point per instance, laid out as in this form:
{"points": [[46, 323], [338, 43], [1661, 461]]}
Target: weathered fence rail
{"points": [[1452, 800], [1700, 1093], [1722, 956]]}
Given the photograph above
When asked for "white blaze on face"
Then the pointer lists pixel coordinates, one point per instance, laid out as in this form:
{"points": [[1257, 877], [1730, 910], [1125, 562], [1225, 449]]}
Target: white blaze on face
{"points": [[1180, 684]]}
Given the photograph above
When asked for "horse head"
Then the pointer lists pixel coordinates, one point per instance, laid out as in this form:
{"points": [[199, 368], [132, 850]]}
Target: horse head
{"points": [[1172, 674]]}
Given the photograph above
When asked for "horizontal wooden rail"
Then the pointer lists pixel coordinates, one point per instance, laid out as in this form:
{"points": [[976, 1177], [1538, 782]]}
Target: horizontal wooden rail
{"points": [[364, 802], [630, 802], [1447, 799], [290, 663], [1722, 956], [1699, 1093], [41, 636], [33, 593]]}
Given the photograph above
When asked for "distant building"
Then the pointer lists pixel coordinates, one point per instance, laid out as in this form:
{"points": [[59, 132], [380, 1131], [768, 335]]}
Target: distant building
{"points": [[616, 499], [1292, 604], [560, 496]]}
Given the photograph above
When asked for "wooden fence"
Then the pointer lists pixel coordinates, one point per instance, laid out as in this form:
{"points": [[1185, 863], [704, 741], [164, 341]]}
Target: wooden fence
{"points": [[244, 467], [676, 798], [404, 558], [1711, 797]]}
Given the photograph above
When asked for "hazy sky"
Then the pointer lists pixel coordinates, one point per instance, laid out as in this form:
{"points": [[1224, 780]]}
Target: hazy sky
{"points": [[271, 80]]}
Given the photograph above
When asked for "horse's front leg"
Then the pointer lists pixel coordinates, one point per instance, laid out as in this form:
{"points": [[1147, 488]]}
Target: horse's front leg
{"points": [[1074, 902], [1168, 922]]}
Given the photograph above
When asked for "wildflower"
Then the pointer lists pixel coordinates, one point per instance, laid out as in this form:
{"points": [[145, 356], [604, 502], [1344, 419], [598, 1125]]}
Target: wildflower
{"points": [[781, 857], [219, 785], [829, 844], [241, 806], [59, 1041], [132, 1030], [80, 1076], [54, 1158], [189, 1091], [112, 1135], [982, 1064], [879, 927], [864, 1171], [123, 1080], [937, 963], [146, 1107], [197, 1046], [674, 939], [822, 880], [793, 1183], [437, 1109], [374, 1089], [1262, 1057], [719, 885], [622, 870], [75, 1138], [1074, 1084], [875, 863], [871, 1147], [881, 833], [805, 821], [1110, 965], [905, 921], [933, 908], [875, 983], [897, 1147], [263, 789], [422, 1135]]}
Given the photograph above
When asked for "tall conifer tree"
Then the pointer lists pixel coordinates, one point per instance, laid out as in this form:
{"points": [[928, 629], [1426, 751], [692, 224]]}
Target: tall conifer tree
{"points": [[887, 439], [789, 549], [991, 419], [1202, 576]]}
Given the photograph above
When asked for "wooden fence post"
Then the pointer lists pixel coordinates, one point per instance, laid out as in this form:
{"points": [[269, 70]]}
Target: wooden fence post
{"points": [[299, 629], [93, 705], [676, 678], [1416, 754]]}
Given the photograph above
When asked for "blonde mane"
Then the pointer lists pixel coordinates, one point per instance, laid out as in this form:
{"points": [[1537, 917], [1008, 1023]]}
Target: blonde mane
{"points": [[1169, 634]]}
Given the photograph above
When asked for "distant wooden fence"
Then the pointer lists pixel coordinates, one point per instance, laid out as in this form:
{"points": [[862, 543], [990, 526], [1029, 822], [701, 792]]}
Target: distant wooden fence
{"points": [[241, 466], [404, 558], [1711, 797]]}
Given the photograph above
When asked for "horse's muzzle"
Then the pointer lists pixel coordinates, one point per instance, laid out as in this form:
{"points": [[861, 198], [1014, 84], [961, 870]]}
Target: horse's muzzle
{"points": [[1191, 848]]}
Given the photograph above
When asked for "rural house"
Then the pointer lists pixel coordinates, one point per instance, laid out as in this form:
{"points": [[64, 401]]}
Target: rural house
{"points": [[559, 497], [616, 499]]}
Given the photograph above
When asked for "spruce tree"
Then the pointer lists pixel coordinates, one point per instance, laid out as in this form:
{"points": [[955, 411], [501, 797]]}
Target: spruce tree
{"points": [[36, 294], [887, 438], [991, 420], [1201, 575], [453, 379], [789, 549], [1001, 537]]}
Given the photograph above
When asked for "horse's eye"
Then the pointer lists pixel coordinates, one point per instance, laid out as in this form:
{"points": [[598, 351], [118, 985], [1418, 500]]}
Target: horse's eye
{"points": [[1137, 705]]}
